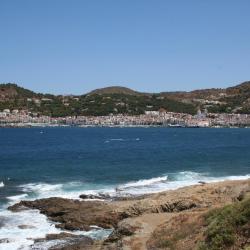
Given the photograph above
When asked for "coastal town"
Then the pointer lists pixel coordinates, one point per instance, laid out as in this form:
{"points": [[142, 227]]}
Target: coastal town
{"points": [[24, 118]]}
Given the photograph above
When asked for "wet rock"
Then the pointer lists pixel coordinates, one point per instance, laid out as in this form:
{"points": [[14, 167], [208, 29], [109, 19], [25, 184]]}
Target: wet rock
{"points": [[92, 196], [18, 208], [4, 240], [3, 221], [59, 236], [73, 214], [76, 245], [64, 241], [25, 226], [202, 182]]}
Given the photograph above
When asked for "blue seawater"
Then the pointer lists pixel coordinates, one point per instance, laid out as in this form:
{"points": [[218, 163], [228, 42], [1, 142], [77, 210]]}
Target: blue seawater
{"points": [[66, 162]]}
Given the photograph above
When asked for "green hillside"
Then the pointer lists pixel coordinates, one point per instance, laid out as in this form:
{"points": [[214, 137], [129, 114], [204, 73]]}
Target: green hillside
{"points": [[121, 100]]}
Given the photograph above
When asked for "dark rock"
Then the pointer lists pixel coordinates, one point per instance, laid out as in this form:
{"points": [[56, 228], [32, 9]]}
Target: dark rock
{"points": [[4, 240], [25, 226], [202, 182], [3, 221], [92, 196]]}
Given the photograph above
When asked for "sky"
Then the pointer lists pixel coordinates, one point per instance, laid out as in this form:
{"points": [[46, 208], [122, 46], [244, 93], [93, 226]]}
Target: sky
{"points": [[74, 46]]}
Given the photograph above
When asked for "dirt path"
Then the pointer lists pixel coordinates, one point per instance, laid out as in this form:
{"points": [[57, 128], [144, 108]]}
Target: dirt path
{"points": [[146, 224]]}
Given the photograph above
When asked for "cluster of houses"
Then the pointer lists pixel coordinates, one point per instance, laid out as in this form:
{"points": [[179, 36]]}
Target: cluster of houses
{"points": [[23, 118]]}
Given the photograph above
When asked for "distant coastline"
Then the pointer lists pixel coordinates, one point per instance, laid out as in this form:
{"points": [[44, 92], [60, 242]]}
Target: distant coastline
{"points": [[118, 100], [122, 107], [35, 125], [149, 119]]}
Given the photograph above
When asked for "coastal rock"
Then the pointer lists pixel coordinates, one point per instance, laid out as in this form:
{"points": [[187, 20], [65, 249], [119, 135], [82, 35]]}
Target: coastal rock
{"points": [[65, 241], [202, 182], [92, 196], [177, 206], [133, 220], [73, 214], [4, 240], [123, 229], [170, 206], [25, 226], [3, 221], [59, 236]]}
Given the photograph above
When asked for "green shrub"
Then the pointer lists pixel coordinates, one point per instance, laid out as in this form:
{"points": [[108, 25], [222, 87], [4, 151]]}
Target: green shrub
{"points": [[224, 224]]}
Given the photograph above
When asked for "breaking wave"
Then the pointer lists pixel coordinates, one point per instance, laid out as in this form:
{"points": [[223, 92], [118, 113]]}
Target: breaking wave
{"points": [[37, 225], [73, 190], [143, 183], [1, 184], [18, 230]]}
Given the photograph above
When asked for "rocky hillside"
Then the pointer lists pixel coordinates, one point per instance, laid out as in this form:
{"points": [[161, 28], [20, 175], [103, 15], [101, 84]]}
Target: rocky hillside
{"points": [[121, 100]]}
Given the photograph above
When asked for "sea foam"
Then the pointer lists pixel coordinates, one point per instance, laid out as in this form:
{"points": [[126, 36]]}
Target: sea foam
{"points": [[39, 225], [73, 190], [143, 183], [36, 226]]}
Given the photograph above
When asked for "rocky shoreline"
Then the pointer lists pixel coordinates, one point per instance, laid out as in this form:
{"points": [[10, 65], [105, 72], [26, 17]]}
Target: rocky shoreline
{"points": [[133, 220]]}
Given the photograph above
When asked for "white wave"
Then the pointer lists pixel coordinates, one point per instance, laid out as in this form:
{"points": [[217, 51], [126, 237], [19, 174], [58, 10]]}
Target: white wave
{"points": [[36, 226], [39, 226], [73, 190], [21, 228], [143, 183], [98, 233], [16, 198], [41, 187], [70, 190], [1, 184], [188, 175], [179, 179]]}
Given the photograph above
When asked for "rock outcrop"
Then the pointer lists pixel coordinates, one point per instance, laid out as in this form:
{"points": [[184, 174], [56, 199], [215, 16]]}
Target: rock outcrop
{"points": [[65, 241], [73, 214], [134, 220]]}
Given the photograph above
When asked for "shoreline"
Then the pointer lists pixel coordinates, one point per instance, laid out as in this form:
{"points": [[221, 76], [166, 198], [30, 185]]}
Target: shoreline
{"points": [[127, 217], [35, 125]]}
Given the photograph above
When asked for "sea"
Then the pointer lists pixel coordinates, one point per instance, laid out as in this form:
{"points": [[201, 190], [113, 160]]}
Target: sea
{"points": [[69, 161]]}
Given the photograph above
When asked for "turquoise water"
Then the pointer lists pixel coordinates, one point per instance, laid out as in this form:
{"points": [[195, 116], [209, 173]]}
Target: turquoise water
{"points": [[66, 162]]}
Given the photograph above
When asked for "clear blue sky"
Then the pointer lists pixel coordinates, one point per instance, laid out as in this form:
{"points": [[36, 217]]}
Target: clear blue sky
{"points": [[74, 46]]}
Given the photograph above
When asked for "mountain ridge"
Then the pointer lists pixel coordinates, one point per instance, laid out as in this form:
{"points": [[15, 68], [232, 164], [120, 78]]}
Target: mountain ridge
{"points": [[123, 100], [117, 89]]}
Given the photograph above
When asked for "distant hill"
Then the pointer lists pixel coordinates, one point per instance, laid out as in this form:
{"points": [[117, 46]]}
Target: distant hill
{"points": [[10, 91], [122, 100], [114, 90]]}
